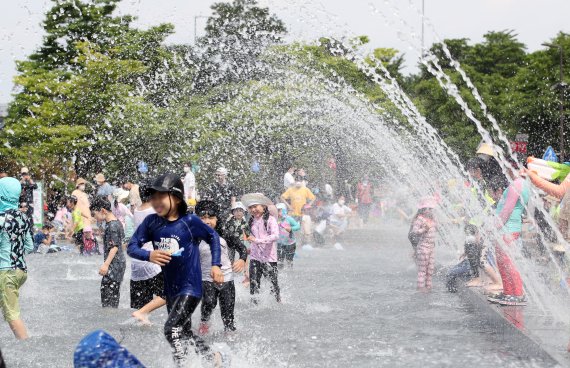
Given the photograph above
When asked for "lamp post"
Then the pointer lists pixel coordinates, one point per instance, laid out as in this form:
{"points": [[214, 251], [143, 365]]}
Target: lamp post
{"points": [[561, 86], [195, 27]]}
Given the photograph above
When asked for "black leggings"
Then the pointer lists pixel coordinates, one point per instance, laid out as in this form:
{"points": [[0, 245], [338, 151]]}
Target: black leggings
{"points": [[110, 293], [226, 292], [258, 269], [178, 328]]}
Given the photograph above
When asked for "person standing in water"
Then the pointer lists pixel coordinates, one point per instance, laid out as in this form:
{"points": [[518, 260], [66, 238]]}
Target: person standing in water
{"points": [[264, 234], [422, 234], [15, 240], [113, 268], [176, 237]]}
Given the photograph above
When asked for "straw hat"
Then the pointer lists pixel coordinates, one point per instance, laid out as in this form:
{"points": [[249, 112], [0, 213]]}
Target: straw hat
{"points": [[100, 178], [80, 181], [485, 149], [252, 199]]}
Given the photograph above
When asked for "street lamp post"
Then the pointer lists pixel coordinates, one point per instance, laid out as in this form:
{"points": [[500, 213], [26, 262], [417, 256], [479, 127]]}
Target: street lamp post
{"points": [[561, 86]]}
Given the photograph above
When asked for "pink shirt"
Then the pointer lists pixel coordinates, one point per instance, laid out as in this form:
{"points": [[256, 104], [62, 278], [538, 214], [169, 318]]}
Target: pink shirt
{"points": [[264, 248]]}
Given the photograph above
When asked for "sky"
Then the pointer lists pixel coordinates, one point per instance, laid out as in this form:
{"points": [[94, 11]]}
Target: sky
{"points": [[388, 23]]}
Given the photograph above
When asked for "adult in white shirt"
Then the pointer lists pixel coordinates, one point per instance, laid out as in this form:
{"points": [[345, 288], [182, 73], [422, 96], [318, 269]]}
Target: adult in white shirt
{"points": [[189, 183], [289, 179], [339, 216]]}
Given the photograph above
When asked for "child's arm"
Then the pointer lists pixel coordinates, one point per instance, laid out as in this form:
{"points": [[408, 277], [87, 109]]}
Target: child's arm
{"points": [[295, 226], [142, 236], [273, 232], [105, 267], [202, 231], [47, 240], [28, 242]]}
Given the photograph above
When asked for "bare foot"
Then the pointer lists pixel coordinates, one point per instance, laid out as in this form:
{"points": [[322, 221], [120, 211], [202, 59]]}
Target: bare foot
{"points": [[475, 283], [493, 288], [142, 318]]}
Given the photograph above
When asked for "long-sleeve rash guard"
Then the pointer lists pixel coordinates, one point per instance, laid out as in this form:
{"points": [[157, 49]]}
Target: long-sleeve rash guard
{"points": [[183, 274]]}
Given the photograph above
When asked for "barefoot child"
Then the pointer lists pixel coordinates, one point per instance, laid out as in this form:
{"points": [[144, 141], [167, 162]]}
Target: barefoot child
{"points": [[15, 240], [422, 233], [264, 234], [225, 292], [113, 269], [176, 236], [147, 282]]}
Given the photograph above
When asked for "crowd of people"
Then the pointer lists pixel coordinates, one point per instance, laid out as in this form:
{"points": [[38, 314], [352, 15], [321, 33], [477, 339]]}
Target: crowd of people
{"points": [[185, 245]]}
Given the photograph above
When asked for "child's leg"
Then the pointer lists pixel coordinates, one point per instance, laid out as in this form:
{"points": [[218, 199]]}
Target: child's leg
{"points": [[271, 272], [430, 267], [291, 253], [255, 273], [512, 284], [10, 283], [209, 300], [141, 293], [461, 270], [422, 262], [110, 293], [178, 328], [227, 305]]}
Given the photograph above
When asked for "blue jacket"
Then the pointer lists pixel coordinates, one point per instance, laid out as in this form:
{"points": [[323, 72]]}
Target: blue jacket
{"points": [[182, 275], [15, 232]]}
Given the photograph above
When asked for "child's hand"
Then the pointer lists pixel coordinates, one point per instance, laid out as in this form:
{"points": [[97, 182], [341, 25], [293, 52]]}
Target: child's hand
{"points": [[217, 274], [103, 270], [159, 257], [239, 265]]}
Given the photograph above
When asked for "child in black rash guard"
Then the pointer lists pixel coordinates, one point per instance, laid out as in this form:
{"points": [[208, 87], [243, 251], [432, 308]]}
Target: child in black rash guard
{"points": [[113, 269], [209, 213], [176, 236]]}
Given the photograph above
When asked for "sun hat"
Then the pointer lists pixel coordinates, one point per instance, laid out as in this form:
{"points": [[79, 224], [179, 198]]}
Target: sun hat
{"points": [[238, 205], [80, 181], [169, 183], [252, 199], [120, 194], [427, 202], [99, 177], [24, 170], [281, 206], [485, 149]]}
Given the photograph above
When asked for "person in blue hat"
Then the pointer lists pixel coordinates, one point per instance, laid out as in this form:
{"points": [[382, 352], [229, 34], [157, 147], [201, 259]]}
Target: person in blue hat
{"points": [[99, 349]]}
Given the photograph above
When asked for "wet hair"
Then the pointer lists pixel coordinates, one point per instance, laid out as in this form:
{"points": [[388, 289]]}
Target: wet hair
{"points": [[475, 163], [145, 193], [470, 229], [497, 182], [100, 203], [265, 217], [47, 226], [208, 208], [72, 199], [425, 212]]}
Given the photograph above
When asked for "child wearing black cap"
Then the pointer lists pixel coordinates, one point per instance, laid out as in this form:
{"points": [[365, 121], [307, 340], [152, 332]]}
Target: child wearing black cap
{"points": [[176, 236]]}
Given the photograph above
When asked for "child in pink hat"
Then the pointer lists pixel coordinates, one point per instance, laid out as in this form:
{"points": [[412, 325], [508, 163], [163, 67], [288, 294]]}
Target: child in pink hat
{"points": [[422, 236]]}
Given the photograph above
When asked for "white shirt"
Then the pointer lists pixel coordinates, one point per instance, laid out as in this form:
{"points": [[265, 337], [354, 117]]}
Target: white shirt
{"points": [[142, 270], [339, 212], [189, 185], [288, 180], [206, 261]]}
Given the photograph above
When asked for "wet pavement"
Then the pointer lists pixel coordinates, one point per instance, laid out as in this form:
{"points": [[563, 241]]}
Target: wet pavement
{"points": [[355, 307]]}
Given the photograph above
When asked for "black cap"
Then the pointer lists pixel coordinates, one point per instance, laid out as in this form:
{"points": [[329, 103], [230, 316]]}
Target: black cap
{"points": [[169, 183], [209, 208]]}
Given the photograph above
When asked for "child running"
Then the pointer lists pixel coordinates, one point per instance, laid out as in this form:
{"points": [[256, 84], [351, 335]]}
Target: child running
{"points": [[176, 236], [264, 234], [147, 283], [113, 269], [15, 240], [286, 244], [209, 213], [422, 235]]}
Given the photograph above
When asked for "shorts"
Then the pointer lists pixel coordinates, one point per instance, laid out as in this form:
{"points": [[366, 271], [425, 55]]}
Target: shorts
{"points": [[10, 283], [143, 291]]}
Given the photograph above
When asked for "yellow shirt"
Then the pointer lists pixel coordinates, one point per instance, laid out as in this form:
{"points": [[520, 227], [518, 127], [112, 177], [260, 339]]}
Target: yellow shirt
{"points": [[77, 220], [298, 197]]}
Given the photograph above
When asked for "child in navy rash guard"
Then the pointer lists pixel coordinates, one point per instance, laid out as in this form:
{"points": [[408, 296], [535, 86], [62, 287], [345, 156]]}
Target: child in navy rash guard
{"points": [[176, 236]]}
